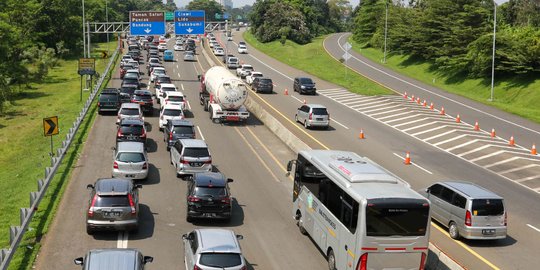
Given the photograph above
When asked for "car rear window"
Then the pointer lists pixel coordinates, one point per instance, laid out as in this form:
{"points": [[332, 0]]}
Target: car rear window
{"points": [[487, 207], [320, 111], [131, 129], [206, 191], [130, 157], [107, 96], [130, 81], [130, 111], [220, 260], [164, 80], [248, 68], [172, 112], [127, 90], [175, 98], [196, 152], [143, 97], [167, 89], [111, 201], [183, 130]]}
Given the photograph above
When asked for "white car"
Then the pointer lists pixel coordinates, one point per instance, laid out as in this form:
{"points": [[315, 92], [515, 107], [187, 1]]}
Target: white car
{"points": [[229, 38], [218, 52], [162, 47], [126, 59], [155, 72], [170, 112], [178, 47], [244, 70], [213, 44], [253, 75], [242, 49], [165, 87], [133, 73], [135, 65], [174, 98]]}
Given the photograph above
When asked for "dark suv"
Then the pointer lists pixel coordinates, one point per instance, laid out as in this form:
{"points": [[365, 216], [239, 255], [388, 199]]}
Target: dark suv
{"points": [[263, 84], [209, 196], [177, 129], [126, 92], [109, 100], [131, 130], [304, 85], [113, 205], [144, 98]]}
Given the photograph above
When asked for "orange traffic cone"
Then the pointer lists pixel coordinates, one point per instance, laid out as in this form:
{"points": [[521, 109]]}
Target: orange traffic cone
{"points": [[458, 119], [512, 142], [361, 136], [304, 101], [492, 133], [476, 126], [424, 103], [405, 95], [407, 160], [418, 100], [533, 149], [442, 111], [412, 97], [431, 106], [286, 92]]}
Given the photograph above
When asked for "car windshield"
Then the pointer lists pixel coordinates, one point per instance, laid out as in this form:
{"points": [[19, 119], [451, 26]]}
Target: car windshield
{"points": [[159, 71], [143, 97], [130, 80], [320, 111], [172, 112], [108, 97], [164, 80], [111, 201], [220, 260], [487, 207], [182, 130], [130, 157], [208, 191], [306, 80], [175, 98], [131, 129], [196, 152], [265, 81], [130, 111]]}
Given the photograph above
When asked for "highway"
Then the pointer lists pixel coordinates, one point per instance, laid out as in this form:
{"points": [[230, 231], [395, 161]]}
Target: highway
{"points": [[250, 154], [387, 142]]}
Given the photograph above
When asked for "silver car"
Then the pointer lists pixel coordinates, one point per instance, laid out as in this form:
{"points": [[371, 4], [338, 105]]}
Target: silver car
{"points": [[130, 160], [190, 156], [210, 249], [114, 258], [313, 115], [189, 56], [113, 205], [129, 110]]}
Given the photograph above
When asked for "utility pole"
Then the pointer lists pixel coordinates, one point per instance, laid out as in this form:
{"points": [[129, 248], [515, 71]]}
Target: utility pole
{"points": [[385, 29], [493, 53]]}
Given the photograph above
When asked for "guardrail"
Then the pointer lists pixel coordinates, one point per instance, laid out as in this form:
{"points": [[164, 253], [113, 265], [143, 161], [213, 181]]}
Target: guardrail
{"points": [[16, 233]]}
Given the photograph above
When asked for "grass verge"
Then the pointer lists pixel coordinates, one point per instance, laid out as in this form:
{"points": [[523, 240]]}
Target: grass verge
{"points": [[515, 95], [25, 151], [313, 59]]}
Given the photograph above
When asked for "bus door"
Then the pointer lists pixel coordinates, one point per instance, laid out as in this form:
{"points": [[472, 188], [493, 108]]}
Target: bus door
{"points": [[347, 256], [297, 186]]}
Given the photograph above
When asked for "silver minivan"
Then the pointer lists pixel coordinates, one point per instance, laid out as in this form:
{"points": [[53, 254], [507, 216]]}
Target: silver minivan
{"points": [[114, 259], [190, 156], [210, 249], [130, 160], [313, 115], [468, 210]]}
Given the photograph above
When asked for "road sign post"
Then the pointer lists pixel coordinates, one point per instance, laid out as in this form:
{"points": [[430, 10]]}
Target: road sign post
{"points": [[50, 128], [347, 46], [189, 22], [146, 23], [87, 66]]}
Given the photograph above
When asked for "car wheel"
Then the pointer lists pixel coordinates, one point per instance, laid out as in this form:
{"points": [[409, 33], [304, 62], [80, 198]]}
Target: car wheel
{"points": [[306, 124], [189, 219], [296, 117], [453, 230], [301, 226], [331, 260], [89, 230]]}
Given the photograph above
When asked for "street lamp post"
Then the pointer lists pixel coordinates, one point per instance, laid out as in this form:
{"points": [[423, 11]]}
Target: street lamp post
{"points": [[493, 53], [107, 18], [83, 32], [385, 30]]}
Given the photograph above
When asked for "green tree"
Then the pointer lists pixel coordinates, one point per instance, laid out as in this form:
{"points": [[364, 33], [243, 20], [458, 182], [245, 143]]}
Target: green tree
{"points": [[279, 20], [209, 6]]}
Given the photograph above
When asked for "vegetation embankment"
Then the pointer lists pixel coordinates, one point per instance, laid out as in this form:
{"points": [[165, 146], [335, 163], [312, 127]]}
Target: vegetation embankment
{"points": [[25, 150], [312, 58]]}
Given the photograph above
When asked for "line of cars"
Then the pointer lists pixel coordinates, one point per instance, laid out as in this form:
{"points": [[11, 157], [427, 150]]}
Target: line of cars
{"points": [[114, 202]]}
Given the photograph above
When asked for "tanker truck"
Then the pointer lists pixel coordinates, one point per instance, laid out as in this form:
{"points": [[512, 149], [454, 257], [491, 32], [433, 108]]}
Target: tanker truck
{"points": [[222, 94]]}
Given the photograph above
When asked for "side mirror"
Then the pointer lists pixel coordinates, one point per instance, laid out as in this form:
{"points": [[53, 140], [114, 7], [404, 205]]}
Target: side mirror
{"points": [[239, 237], [289, 167], [184, 236], [199, 77], [113, 148], [148, 259], [138, 186], [79, 261], [90, 186], [230, 180]]}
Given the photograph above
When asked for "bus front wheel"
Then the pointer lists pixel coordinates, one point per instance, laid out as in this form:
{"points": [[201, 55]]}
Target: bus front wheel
{"points": [[331, 260], [300, 223]]}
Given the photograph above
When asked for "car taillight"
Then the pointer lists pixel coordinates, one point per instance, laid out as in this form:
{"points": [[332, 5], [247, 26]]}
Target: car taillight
{"points": [[132, 205], [91, 209], [505, 218], [193, 199], [98, 104], [183, 161], [145, 166], [422, 261], [119, 134], [243, 268], [143, 135], [196, 268], [170, 136], [208, 161], [468, 218], [362, 263], [115, 165], [226, 200], [310, 116]]}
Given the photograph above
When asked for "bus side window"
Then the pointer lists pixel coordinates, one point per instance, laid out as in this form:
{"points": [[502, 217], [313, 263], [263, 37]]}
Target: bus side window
{"points": [[349, 212]]}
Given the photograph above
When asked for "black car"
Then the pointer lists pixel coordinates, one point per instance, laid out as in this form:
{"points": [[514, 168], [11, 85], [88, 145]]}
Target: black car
{"points": [[131, 130], [177, 129], [209, 196], [126, 92], [109, 100], [263, 84], [161, 79], [144, 98], [304, 85], [133, 82], [135, 55]]}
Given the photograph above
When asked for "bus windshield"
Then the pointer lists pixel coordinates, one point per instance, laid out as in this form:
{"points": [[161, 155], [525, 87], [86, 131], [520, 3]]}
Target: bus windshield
{"points": [[396, 217]]}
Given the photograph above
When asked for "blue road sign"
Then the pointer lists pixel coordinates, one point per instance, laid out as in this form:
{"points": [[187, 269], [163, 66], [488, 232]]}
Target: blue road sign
{"points": [[189, 22], [146, 23]]}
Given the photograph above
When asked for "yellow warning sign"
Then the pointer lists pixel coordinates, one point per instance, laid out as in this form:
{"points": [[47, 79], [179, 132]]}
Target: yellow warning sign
{"points": [[50, 126], [87, 66]]}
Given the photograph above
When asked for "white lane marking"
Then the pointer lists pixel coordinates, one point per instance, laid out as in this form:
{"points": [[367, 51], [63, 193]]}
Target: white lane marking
{"points": [[334, 120], [424, 125], [182, 86], [377, 105], [188, 105], [298, 99], [448, 140], [406, 123], [518, 168], [528, 178], [177, 66], [332, 89], [436, 94], [534, 228], [391, 116], [471, 151], [425, 170], [344, 96], [200, 132], [489, 155], [178, 74], [381, 107], [390, 111], [122, 240]]}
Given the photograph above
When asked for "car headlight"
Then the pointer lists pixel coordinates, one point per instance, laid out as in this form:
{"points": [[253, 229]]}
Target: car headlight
{"points": [[303, 87]]}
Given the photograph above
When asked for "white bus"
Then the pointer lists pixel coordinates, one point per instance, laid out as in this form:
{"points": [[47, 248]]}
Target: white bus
{"points": [[360, 215]]}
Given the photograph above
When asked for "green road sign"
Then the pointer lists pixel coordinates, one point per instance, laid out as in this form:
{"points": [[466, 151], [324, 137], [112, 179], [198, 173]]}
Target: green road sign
{"points": [[169, 16]]}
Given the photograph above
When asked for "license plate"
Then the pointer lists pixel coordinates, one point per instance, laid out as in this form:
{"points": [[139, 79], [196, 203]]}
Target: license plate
{"points": [[130, 175], [488, 231], [319, 119], [131, 138], [111, 214], [233, 118], [196, 164], [209, 215]]}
